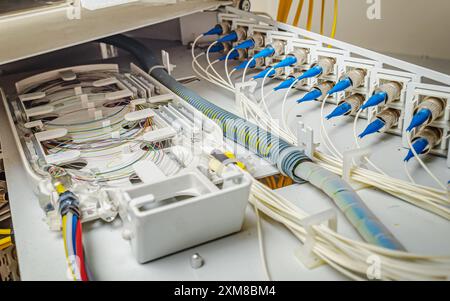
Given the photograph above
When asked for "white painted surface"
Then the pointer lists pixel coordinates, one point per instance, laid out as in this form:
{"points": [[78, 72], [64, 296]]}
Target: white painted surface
{"points": [[411, 27], [26, 37]]}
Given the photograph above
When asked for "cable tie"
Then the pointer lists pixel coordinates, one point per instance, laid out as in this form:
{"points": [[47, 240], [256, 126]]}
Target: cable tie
{"points": [[156, 67]]}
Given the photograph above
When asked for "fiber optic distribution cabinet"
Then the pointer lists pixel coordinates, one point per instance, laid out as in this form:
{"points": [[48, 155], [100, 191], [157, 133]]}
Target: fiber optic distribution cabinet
{"points": [[105, 143]]}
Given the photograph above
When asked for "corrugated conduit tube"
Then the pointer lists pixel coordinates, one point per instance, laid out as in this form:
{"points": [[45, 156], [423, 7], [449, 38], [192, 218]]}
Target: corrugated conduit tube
{"points": [[290, 160]]}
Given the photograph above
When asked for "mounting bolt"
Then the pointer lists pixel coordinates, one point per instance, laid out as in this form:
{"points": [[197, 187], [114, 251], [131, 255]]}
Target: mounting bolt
{"points": [[126, 234], [245, 5], [196, 261]]}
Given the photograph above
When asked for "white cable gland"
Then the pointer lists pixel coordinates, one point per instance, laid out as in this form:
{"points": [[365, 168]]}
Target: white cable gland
{"points": [[243, 54], [278, 72], [432, 135], [259, 62], [435, 105], [324, 87], [278, 46], [258, 39], [327, 64], [392, 89], [226, 27], [390, 117], [241, 33], [355, 101], [301, 55], [357, 77], [300, 84], [226, 47]]}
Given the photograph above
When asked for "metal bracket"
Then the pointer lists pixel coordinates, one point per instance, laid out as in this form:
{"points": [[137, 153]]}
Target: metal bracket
{"points": [[166, 62], [305, 139], [305, 253], [352, 159], [108, 51], [9, 270], [239, 91], [74, 10]]}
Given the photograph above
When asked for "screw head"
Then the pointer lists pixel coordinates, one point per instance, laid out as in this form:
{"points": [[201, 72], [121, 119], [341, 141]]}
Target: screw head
{"points": [[245, 5], [126, 234], [196, 261]]}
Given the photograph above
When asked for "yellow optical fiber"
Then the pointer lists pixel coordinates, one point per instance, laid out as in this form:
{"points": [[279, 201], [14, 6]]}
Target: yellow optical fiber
{"points": [[5, 240], [60, 188], [5, 231], [298, 14], [280, 181], [310, 15], [335, 17], [283, 10], [5, 246], [322, 18], [281, 6], [286, 11]]}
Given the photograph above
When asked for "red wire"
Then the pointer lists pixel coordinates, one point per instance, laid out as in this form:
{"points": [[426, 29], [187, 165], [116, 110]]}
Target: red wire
{"points": [[79, 247]]}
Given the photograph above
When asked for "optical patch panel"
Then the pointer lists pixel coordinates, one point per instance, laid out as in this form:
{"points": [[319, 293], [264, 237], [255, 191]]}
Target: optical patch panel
{"points": [[378, 69]]}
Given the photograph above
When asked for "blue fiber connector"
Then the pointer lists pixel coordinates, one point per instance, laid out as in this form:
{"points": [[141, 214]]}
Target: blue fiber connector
{"points": [[286, 84], [419, 146], [217, 48], [246, 44], [268, 51], [288, 61], [269, 72], [374, 127], [313, 95], [340, 110], [314, 71], [242, 66], [216, 30], [419, 118], [233, 55], [341, 86], [375, 100], [231, 37]]}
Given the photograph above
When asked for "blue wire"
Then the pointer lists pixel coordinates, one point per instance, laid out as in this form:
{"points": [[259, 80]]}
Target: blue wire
{"points": [[74, 233]]}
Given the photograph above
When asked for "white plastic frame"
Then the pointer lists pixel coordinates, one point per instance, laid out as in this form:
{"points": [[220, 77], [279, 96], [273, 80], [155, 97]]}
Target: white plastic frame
{"points": [[381, 68]]}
